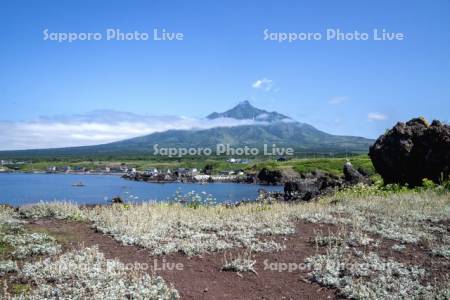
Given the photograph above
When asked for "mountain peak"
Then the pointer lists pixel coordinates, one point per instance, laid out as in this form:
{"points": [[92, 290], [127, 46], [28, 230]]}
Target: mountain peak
{"points": [[244, 103], [245, 111]]}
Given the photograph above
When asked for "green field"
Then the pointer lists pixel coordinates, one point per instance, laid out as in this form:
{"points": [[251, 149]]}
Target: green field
{"points": [[299, 165]]}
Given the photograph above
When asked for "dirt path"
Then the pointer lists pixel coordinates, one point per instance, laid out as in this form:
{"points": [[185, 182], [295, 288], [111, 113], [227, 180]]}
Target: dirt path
{"points": [[201, 277]]}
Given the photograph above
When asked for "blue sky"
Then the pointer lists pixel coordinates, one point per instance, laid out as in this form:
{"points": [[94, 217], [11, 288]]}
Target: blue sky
{"points": [[342, 87]]}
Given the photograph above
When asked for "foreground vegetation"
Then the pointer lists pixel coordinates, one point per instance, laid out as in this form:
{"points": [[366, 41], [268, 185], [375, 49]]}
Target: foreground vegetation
{"points": [[79, 274], [357, 258]]}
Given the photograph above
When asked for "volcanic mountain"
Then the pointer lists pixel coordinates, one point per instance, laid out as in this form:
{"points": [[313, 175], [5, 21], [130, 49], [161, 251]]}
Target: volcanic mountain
{"points": [[245, 111], [263, 127]]}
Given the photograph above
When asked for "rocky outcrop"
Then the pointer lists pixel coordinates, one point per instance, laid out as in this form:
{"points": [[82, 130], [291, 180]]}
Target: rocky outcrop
{"points": [[117, 200], [316, 184], [412, 151], [270, 176], [276, 177], [353, 176], [311, 186]]}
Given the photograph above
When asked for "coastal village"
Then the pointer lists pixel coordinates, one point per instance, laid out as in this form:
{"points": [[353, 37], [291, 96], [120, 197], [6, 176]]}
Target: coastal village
{"points": [[149, 174], [190, 175]]}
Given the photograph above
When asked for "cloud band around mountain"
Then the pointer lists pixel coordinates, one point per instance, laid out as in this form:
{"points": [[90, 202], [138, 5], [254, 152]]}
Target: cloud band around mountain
{"points": [[97, 127]]}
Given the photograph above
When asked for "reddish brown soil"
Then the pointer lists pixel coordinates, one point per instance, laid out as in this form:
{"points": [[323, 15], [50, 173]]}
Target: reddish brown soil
{"points": [[201, 277], [415, 255]]}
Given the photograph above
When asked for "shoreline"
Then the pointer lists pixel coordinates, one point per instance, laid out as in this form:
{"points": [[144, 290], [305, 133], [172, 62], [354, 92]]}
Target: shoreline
{"points": [[98, 189], [60, 173], [145, 181]]}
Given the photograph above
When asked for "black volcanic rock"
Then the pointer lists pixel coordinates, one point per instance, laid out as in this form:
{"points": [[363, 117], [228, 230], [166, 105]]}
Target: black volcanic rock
{"points": [[270, 177], [312, 186], [353, 176], [117, 200], [316, 184], [408, 153]]}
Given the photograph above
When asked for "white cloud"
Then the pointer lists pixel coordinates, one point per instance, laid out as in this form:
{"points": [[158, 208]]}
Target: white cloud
{"points": [[264, 84], [97, 127], [338, 99], [262, 117], [374, 116]]}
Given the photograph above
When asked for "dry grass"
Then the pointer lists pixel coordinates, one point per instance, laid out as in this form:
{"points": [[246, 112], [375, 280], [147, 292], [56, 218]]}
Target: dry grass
{"points": [[15, 243], [86, 274], [368, 276], [164, 228], [363, 219], [405, 217], [57, 210]]}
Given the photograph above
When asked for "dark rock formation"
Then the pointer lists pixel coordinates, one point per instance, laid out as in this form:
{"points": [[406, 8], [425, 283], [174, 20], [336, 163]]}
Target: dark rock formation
{"points": [[353, 176], [248, 178], [312, 186], [208, 169], [363, 172], [270, 177], [138, 176], [315, 184], [117, 200], [409, 152]]}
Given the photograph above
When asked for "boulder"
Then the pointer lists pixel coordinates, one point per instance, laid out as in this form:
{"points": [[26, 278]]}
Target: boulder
{"points": [[412, 151], [353, 176], [117, 200]]}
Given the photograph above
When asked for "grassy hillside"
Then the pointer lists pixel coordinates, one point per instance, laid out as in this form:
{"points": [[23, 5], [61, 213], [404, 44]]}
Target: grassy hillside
{"points": [[300, 165], [301, 137]]}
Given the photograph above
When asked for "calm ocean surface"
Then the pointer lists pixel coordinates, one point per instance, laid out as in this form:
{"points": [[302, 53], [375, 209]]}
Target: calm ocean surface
{"points": [[19, 189]]}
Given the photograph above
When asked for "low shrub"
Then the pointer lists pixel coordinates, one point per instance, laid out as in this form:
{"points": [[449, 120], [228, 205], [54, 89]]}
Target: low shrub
{"points": [[57, 210], [367, 276], [244, 262], [7, 266], [86, 274], [30, 244]]}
